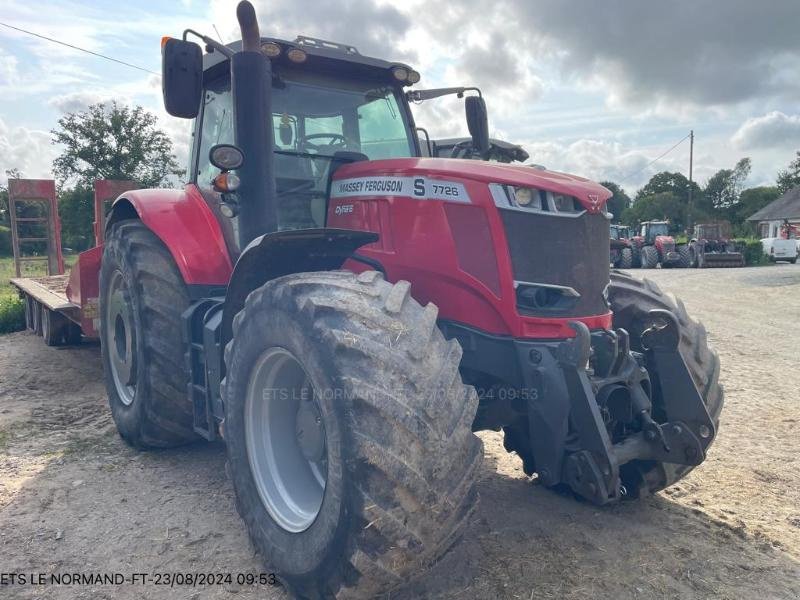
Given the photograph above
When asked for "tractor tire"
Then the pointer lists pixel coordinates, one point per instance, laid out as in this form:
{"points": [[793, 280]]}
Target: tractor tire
{"points": [[631, 299], [142, 296], [385, 466], [685, 260], [692, 256], [637, 256], [626, 258], [649, 257], [54, 327]]}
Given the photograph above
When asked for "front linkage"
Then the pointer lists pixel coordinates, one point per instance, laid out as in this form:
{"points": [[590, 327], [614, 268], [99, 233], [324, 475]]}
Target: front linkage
{"points": [[618, 411]]}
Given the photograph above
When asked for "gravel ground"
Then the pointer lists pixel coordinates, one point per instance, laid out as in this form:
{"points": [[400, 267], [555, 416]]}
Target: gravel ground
{"points": [[75, 499]]}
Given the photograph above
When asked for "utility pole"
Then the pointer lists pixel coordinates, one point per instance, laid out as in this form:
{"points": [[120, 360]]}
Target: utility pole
{"points": [[689, 206]]}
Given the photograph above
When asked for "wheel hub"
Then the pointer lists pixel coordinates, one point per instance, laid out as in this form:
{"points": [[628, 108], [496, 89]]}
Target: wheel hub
{"points": [[120, 339], [285, 440]]}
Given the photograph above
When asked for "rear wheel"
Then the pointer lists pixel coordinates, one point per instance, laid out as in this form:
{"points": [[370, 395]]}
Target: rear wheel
{"points": [[649, 257], [142, 296], [348, 432], [685, 259]]}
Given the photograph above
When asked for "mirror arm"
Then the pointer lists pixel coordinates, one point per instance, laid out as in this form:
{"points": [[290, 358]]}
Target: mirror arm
{"points": [[221, 48], [422, 95]]}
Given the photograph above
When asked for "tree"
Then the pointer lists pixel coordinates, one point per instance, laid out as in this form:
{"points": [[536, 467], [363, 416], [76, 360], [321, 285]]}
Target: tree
{"points": [[661, 206], [76, 209], [618, 202], [5, 217], [789, 177], [673, 183], [724, 187], [113, 142], [750, 201]]}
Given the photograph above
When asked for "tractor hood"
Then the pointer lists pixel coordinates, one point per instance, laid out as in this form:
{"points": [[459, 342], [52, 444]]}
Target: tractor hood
{"points": [[590, 194]]}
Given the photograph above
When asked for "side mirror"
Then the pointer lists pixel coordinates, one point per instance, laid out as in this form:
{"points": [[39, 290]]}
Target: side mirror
{"points": [[181, 77], [478, 124]]}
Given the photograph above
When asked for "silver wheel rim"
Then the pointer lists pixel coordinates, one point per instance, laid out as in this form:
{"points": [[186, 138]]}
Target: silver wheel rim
{"points": [[120, 339], [285, 440]]}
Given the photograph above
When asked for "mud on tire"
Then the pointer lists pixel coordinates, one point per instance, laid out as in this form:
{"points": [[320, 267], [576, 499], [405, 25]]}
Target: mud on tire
{"points": [[631, 299], [159, 413], [401, 458]]}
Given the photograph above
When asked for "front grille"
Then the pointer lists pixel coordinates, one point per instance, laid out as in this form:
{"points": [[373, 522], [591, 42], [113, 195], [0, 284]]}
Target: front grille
{"points": [[562, 251]]}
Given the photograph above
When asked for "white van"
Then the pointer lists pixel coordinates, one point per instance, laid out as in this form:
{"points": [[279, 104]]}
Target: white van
{"points": [[779, 249]]}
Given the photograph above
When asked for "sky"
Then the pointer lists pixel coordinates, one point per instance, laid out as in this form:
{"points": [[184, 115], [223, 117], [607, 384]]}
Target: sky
{"points": [[598, 89]]}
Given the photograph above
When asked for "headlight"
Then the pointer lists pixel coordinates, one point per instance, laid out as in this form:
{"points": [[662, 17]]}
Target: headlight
{"points": [[528, 198]]}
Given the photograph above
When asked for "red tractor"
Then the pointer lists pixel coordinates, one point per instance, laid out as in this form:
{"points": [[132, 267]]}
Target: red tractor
{"points": [[327, 301], [622, 256], [656, 246]]}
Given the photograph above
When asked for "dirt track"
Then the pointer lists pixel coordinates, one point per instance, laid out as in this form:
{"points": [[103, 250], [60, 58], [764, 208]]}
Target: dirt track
{"points": [[74, 498]]}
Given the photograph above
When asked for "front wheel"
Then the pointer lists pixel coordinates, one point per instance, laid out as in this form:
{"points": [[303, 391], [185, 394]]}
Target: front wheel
{"points": [[649, 257], [631, 300], [626, 258], [348, 431]]}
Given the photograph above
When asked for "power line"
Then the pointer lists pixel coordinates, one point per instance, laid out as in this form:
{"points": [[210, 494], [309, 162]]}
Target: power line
{"points": [[659, 157], [44, 37]]}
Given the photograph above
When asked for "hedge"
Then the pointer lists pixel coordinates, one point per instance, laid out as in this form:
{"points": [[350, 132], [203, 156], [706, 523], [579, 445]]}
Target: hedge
{"points": [[752, 250], [5, 241], [12, 313]]}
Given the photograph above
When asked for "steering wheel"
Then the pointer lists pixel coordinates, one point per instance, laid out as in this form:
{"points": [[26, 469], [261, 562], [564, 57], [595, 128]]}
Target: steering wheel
{"points": [[463, 150], [334, 137]]}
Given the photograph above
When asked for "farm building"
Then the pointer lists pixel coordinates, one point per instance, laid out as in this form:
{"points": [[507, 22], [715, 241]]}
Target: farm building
{"points": [[770, 218]]}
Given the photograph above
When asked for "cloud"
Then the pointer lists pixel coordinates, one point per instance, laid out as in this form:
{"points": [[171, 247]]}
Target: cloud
{"points": [[79, 101], [375, 29], [28, 150], [768, 131], [689, 53]]}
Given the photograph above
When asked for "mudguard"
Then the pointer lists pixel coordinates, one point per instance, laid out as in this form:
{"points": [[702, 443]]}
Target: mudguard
{"points": [[281, 253], [187, 226]]}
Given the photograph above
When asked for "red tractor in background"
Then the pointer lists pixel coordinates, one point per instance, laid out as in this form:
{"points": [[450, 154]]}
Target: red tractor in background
{"points": [[622, 250], [656, 246], [345, 313]]}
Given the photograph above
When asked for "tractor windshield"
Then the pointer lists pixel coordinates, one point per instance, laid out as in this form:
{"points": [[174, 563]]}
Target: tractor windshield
{"points": [[652, 230], [322, 115]]}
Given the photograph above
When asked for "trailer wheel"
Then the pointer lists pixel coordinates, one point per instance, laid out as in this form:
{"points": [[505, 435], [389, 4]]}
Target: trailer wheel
{"points": [[36, 311], [142, 296], [30, 318], [348, 431], [53, 327], [631, 299]]}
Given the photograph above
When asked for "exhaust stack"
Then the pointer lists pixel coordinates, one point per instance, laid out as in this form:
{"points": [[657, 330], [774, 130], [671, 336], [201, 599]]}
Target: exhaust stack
{"points": [[251, 87]]}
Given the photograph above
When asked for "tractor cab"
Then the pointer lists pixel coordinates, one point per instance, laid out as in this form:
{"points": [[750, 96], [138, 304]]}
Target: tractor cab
{"points": [[326, 105], [651, 230]]}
